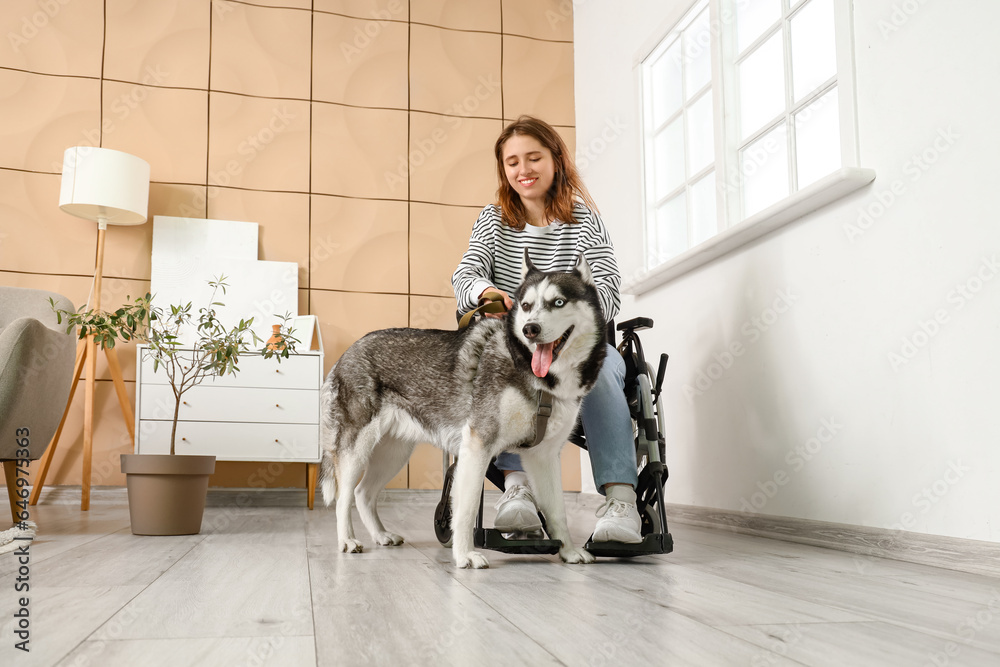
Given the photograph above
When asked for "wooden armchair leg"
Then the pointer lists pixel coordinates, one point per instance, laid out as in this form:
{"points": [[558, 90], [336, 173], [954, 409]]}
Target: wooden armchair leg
{"points": [[10, 474]]}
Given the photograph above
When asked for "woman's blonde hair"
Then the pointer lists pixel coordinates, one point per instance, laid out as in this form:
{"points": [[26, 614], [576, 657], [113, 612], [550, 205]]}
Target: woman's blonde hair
{"points": [[566, 190]]}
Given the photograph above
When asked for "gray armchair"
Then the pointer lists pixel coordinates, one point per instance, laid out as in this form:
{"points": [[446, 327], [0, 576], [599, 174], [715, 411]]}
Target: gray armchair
{"points": [[36, 371]]}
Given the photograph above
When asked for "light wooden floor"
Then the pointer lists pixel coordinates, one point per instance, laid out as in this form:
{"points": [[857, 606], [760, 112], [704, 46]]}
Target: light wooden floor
{"points": [[263, 585]]}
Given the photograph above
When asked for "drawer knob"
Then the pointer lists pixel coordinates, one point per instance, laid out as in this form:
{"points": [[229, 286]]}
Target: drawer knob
{"points": [[276, 405], [184, 439], [184, 402], [276, 440]]}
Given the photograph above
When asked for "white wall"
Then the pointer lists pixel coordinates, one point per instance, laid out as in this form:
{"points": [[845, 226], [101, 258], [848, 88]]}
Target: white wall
{"points": [[919, 442]]}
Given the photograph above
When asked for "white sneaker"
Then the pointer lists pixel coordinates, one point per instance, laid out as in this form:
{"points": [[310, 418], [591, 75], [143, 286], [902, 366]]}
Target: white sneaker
{"points": [[517, 512], [619, 522]]}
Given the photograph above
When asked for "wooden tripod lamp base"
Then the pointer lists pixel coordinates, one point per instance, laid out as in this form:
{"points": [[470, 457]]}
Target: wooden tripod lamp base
{"points": [[109, 187]]}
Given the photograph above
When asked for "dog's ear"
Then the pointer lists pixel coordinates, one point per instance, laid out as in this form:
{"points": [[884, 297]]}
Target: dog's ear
{"points": [[527, 267], [583, 268]]}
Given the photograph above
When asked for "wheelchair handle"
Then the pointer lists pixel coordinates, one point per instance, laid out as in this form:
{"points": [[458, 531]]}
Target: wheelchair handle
{"points": [[636, 324], [660, 372]]}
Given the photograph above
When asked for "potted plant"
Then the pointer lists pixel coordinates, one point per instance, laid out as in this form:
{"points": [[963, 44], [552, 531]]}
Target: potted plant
{"points": [[167, 492]]}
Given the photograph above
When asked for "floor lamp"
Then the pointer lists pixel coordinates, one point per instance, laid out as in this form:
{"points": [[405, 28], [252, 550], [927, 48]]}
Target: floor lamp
{"points": [[107, 187]]}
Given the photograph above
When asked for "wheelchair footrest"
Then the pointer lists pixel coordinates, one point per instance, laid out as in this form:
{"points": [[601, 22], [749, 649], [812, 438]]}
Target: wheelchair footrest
{"points": [[654, 543], [493, 539]]}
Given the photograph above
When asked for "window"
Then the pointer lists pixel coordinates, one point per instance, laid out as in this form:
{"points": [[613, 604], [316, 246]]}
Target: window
{"points": [[678, 110], [748, 106]]}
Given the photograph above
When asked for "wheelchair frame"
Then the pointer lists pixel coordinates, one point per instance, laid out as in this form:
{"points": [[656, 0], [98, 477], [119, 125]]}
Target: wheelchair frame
{"points": [[643, 397]]}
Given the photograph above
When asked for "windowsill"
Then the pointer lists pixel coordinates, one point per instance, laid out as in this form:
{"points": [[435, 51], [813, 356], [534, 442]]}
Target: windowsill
{"points": [[803, 202]]}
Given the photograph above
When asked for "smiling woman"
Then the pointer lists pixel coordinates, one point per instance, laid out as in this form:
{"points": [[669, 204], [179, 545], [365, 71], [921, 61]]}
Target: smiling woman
{"points": [[530, 170], [544, 210]]}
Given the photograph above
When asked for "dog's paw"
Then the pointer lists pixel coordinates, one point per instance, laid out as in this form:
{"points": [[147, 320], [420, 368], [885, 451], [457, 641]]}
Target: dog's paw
{"points": [[575, 555], [351, 546], [388, 539], [472, 559]]}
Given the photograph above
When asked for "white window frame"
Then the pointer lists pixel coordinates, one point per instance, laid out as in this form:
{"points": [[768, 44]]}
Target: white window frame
{"points": [[733, 229], [672, 38]]}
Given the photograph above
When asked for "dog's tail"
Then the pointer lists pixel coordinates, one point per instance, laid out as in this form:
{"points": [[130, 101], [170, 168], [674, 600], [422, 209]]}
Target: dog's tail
{"points": [[327, 479], [328, 440]]}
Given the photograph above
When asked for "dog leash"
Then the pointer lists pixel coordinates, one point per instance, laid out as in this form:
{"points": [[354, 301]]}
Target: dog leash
{"points": [[492, 302]]}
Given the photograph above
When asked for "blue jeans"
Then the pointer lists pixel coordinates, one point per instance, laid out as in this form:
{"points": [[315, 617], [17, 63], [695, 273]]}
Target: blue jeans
{"points": [[607, 425]]}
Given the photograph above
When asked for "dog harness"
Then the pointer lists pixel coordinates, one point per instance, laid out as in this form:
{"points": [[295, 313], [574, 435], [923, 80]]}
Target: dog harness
{"points": [[542, 413], [492, 302]]}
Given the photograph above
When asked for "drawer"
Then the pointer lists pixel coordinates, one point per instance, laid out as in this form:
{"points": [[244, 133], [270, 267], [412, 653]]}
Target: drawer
{"points": [[231, 404], [232, 441], [299, 371]]}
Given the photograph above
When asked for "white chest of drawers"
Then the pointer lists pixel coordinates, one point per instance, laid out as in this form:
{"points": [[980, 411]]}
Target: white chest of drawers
{"points": [[266, 412]]}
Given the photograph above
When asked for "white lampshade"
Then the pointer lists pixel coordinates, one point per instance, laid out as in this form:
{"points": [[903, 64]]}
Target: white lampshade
{"points": [[104, 185]]}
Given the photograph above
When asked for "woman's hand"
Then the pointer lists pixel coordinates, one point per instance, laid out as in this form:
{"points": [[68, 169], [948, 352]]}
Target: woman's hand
{"points": [[507, 301]]}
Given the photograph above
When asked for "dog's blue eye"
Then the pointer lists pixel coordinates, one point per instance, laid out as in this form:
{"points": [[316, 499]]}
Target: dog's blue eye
{"points": [[558, 303]]}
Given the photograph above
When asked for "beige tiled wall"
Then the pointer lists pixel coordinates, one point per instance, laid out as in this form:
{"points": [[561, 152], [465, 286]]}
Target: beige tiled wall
{"points": [[357, 133]]}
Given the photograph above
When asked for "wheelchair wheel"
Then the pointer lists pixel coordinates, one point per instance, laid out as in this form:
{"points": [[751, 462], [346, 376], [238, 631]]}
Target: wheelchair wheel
{"points": [[650, 521], [658, 409], [442, 513], [650, 414]]}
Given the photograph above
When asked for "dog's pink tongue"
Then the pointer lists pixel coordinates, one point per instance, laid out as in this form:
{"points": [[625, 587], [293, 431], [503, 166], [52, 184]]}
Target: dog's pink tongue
{"points": [[542, 359]]}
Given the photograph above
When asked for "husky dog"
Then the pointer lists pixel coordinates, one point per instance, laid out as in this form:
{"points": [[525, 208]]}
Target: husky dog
{"points": [[472, 392]]}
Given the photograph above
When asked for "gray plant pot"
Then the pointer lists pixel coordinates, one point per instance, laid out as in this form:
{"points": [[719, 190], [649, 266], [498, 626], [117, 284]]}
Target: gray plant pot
{"points": [[166, 493]]}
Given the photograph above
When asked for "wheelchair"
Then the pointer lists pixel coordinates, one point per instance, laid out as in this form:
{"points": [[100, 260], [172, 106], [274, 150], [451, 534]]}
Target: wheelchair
{"points": [[642, 393]]}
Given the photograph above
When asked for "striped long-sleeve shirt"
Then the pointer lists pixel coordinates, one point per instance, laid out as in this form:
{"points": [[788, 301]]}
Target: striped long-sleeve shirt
{"points": [[496, 253]]}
